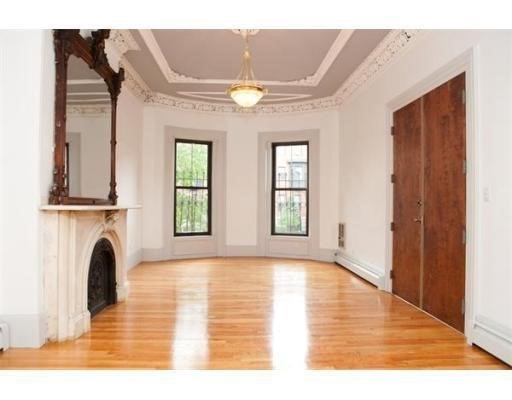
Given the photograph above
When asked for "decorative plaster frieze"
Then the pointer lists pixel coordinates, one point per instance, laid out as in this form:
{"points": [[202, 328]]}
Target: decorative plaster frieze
{"points": [[382, 55], [118, 43], [88, 110], [388, 50], [135, 82], [123, 40]]}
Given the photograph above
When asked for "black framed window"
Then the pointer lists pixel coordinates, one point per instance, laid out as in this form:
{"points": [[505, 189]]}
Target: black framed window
{"points": [[290, 189], [192, 187]]}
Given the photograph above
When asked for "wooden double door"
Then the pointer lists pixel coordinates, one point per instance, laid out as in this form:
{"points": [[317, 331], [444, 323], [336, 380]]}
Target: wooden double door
{"points": [[429, 202]]}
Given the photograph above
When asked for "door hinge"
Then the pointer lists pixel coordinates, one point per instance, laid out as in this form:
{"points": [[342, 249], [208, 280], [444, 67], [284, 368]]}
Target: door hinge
{"points": [[463, 236], [464, 167], [392, 131], [393, 178], [392, 226], [391, 274], [463, 96], [463, 307]]}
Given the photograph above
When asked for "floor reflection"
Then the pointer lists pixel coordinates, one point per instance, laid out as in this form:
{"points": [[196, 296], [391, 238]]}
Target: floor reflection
{"points": [[190, 343], [290, 334]]}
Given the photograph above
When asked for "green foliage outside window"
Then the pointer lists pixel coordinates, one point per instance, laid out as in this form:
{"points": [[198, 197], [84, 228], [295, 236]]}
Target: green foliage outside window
{"points": [[192, 188]]}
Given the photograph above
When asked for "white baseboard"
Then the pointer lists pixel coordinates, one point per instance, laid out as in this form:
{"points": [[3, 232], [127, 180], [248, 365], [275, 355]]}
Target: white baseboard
{"points": [[493, 338], [155, 255], [134, 259], [26, 330], [241, 251], [361, 269], [326, 255]]}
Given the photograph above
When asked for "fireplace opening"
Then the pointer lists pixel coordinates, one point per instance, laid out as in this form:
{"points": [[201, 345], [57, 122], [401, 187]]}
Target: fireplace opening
{"points": [[101, 284]]}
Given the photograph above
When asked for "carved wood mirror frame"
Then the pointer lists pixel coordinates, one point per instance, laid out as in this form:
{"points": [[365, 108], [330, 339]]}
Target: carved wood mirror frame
{"points": [[91, 50]]}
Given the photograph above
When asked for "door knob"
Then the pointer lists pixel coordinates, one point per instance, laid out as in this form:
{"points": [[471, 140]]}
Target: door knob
{"points": [[420, 220]]}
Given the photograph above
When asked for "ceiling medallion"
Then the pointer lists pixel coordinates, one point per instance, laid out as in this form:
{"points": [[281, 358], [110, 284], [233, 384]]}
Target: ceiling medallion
{"points": [[246, 92]]}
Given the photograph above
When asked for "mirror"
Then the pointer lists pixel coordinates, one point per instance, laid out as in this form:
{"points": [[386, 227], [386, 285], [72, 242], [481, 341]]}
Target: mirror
{"points": [[86, 92], [88, 114]]}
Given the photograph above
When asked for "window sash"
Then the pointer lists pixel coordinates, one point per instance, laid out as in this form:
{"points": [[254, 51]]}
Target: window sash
{"points": [[275, 189], [192, 188]]}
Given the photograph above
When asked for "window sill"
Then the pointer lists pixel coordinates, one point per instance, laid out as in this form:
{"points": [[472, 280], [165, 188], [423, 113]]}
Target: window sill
{"points": [[192, 237], [289, 237]]}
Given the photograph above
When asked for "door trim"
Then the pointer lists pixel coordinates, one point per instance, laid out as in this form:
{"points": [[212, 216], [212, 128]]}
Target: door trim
{"points": [[463, 63]]}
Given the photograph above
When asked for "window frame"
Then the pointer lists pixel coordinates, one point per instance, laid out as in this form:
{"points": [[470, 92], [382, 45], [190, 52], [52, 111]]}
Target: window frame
{"points": [[290, 189], [208, 188]]}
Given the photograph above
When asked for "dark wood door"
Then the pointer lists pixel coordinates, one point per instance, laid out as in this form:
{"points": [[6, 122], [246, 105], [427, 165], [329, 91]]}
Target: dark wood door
{"points": [[407, 193], [429, 202], [445, 202]]}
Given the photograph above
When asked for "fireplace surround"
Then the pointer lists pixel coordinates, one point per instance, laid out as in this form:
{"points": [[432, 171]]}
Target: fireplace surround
{"points": [[71, 234]]}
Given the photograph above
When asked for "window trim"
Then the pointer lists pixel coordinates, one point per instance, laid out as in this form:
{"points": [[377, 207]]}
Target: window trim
{"points": [[274, 189], [208, 188]]}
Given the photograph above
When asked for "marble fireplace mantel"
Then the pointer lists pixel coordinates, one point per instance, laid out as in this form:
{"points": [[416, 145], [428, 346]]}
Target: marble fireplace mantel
{"points": [[66, 207], [70, 233]]}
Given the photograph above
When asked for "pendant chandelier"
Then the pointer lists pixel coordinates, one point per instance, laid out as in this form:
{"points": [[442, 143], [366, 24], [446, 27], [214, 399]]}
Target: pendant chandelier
{"points": [[246, 92]]}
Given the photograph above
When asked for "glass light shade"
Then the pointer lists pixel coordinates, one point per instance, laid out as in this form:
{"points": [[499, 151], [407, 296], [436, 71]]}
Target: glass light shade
{"points": [[246, 95]]}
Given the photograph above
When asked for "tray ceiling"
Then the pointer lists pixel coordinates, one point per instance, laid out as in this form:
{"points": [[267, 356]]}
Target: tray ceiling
{"points": [[295, 64]]}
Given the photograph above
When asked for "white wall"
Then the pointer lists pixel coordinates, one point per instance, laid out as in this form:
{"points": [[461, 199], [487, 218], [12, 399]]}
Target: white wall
{"points": [[26, 129], [241, 171], [364, 172], [129, 168]]}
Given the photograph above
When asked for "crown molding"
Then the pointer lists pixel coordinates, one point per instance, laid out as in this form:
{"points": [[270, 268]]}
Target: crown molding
{"points": [[118, 43], [387, 51], [123, 40], [311, 80], [135, 82], [382, 55], [88, 110]]}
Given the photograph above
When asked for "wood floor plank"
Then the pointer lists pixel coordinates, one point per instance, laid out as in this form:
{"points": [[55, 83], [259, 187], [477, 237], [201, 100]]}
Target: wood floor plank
{"points": [[256, 313]]}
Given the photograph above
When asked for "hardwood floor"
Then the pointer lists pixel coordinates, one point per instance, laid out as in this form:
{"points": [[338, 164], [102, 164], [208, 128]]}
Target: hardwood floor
{"points": [[256, 313]]}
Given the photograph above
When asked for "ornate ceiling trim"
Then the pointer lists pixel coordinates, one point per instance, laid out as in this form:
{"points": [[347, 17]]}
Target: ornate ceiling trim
{"points": [[88, 110], [123, 40], [388, 50], [118, 43], [85, 81], [135, 83], [311, 80], [382, 55]]}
